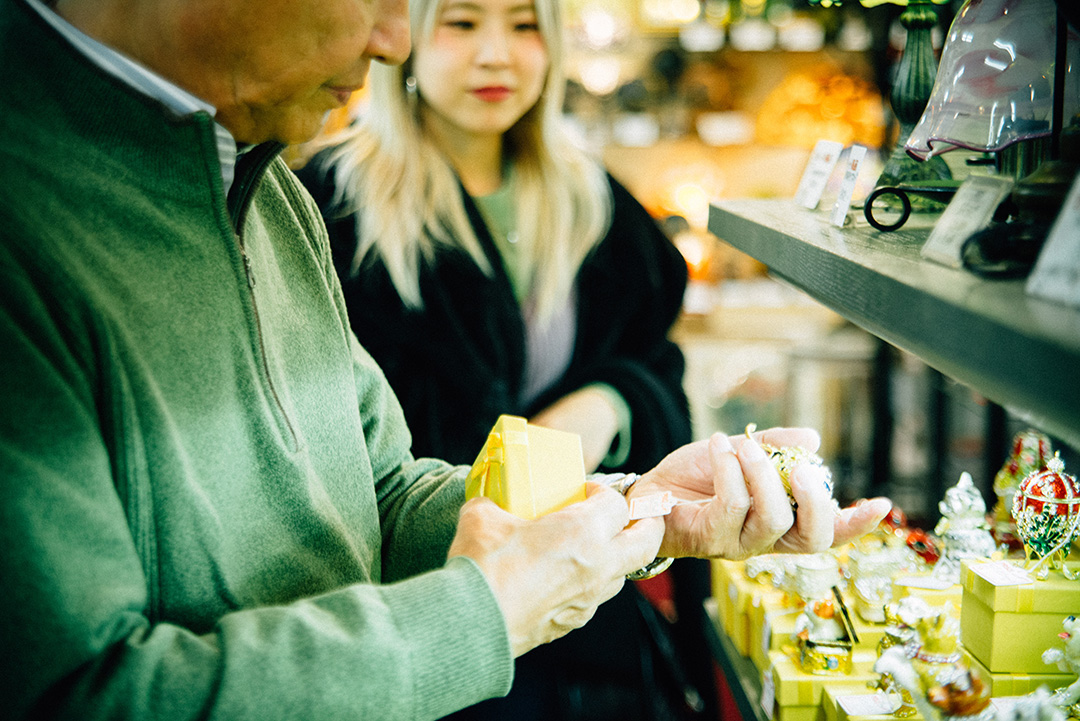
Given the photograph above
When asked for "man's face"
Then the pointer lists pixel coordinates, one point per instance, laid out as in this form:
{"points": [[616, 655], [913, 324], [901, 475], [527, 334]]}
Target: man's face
{"points": [[274, 68]]}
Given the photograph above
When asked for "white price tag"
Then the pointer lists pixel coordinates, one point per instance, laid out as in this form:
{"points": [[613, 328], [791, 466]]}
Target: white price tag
{"points": [[927, 582], [866, 704], [1002, 573], [817, 172], [768, 693], [1056, 276], [654, 504], [847, 187], [1005, 705], [659, 504], [970, 210]]}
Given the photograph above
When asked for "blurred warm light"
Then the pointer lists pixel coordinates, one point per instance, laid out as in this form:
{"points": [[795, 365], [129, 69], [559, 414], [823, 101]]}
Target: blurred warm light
{"points": [[718, 12], [670, 12], [822, 103], [697, 248], [753, 8], [693, 201], [753, 34], [687, 191], [599, 27], [600, 76]]}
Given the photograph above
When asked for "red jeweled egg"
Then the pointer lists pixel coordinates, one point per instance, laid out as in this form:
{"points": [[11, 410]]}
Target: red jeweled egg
{"points": [[1047, 509]]}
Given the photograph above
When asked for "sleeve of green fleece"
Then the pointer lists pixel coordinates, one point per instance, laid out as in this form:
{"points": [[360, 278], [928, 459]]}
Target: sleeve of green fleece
{"points": [[79, 635]]}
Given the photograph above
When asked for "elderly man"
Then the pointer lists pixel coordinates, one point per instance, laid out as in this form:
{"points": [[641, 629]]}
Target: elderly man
{"points": [[208, 508]]}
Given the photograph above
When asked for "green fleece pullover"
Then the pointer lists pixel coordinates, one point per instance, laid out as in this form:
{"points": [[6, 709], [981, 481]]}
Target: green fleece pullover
{"points": [[208, 508]]}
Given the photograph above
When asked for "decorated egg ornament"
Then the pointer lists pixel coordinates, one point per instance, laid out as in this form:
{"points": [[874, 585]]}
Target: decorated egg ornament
{"points": [[1047, 512]]}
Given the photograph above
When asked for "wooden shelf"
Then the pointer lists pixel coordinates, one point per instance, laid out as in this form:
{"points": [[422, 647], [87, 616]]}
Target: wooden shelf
{"points": [[1020, 352]]}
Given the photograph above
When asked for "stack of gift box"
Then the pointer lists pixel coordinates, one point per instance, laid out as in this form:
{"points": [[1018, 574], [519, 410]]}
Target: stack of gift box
{"points": [[1005, 628], [1008, 612]]}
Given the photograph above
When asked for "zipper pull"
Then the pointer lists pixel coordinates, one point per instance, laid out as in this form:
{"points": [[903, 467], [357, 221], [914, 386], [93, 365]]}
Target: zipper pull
{"points": [[247, 264], [249, 271]]}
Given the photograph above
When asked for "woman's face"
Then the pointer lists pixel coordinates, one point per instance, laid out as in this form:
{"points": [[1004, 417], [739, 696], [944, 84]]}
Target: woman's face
{"points": [[483, 66]]}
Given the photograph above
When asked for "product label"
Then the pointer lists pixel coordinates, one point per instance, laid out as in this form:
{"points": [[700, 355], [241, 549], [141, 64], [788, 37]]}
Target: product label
{"points": [[928, 582], [1002, 573], [970, 210], [768, 693], [847, 187], [1056, 276], [818, 170], [867, 704]]}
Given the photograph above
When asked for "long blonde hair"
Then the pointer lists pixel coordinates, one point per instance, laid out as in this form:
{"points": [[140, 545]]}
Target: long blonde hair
{"points": [[409, 199]]}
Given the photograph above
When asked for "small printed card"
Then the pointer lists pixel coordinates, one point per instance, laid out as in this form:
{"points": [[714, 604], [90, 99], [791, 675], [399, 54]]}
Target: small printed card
{"points": [[927, 582], [1002, 573], [656, 504], [768, 693], [818, 170], [847, 187], [1056, 276], [969, 211], [867, 704]]}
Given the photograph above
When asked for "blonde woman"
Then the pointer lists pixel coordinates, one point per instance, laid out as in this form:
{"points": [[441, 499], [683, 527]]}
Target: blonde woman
{"points": [[490, 266]]}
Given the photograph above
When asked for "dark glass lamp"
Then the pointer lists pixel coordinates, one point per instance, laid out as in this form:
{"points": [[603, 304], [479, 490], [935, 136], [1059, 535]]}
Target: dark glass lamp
{"points": [[911, 90]]}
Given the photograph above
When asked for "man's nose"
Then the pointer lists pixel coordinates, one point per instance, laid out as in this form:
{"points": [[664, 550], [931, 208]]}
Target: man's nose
{"points": [[390, 42]]}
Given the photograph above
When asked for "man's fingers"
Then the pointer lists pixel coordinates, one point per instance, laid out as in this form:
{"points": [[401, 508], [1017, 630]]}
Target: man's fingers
{"points": [[814, 520], [859, 519], [639, 543], [770, 516], [806, 438], [729, 487]]}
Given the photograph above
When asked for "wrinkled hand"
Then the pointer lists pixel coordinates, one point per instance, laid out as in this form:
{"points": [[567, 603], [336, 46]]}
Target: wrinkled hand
{"points": [[751, 513], [550, 574]]}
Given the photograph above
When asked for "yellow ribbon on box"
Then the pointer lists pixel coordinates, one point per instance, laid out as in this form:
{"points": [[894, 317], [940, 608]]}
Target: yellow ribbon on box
{"points": [[1047, 596], [528, 470]]}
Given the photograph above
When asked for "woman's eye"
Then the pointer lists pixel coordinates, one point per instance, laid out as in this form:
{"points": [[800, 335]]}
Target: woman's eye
{"points": [[460, 24]]}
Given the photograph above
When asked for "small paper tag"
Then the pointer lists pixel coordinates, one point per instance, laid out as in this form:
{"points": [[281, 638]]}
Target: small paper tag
{"points": [[768, 693], [970, 210], [655, 504], [817, 172], [1005, 704], [847, 187], [1002, 573], [866, 704], [1056, 276], [927, 582]]}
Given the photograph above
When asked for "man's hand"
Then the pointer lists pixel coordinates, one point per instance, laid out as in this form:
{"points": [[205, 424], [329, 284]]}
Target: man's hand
{"points": [[550, 574], [751, 513]]}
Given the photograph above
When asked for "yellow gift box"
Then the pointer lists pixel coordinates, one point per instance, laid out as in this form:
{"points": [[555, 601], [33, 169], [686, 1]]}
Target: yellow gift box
{"points": [[795, 687], [799, 713], [1007, 627], [862, 705], [737, 595], [828, 702], [772, 623], [869, 633], [1017, 684], [528, 470], [928, 589], [724, 591]]}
